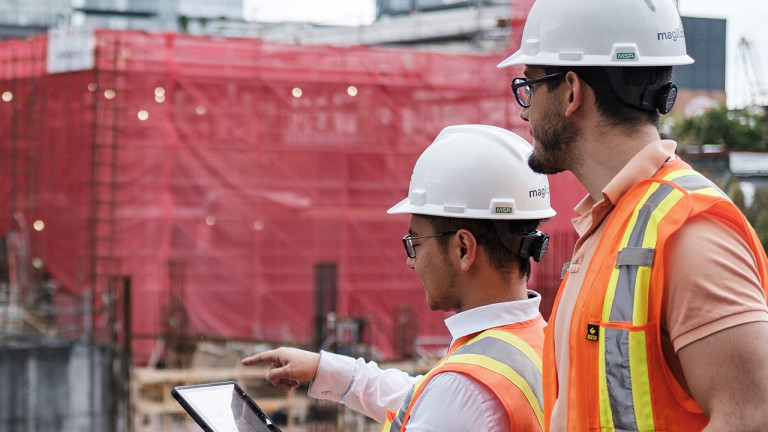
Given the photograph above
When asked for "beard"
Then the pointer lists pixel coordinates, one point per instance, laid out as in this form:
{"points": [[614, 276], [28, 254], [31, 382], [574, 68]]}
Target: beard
{"points": [[445, 294], [554, 139]]}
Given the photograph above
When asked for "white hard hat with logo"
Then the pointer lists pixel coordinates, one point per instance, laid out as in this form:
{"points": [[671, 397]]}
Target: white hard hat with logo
{"points": [[602, 33], [477, 172]]}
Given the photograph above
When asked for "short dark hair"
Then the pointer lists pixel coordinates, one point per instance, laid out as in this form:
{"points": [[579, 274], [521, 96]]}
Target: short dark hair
{"points": [[618, 113], [487, 237]]}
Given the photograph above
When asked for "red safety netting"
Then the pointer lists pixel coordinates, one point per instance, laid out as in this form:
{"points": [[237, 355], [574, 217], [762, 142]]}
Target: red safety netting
{"points": [[242, 172]]}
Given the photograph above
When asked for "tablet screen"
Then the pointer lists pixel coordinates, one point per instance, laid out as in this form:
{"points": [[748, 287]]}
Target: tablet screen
{"points": [[223, 407]]}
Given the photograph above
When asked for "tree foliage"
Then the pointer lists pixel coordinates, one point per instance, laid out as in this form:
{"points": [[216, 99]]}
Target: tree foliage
{"points": [[734, 130], [733, 190], [757, 214]]}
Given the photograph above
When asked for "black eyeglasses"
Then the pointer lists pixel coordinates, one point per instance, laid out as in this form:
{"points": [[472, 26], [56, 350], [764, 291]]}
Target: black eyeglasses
{"points": [[410, 249], [522, 87]]}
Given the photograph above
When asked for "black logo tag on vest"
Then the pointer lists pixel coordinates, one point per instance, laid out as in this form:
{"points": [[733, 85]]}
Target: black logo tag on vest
{"points": [[593, 332]]}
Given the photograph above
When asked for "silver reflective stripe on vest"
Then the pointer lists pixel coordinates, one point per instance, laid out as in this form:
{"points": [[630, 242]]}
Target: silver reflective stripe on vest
{"points": [[512, 357], [397, 422], [694, 182], [617, 355], [619, 380], [489, 347], [633, 256], [621, 309], [617, 352]]}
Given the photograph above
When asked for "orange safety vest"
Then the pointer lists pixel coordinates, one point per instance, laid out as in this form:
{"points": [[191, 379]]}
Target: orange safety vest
{"points": [[498, 358], [618, 378]]}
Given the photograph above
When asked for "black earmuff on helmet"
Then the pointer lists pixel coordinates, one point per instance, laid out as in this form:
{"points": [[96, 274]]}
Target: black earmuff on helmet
{"points": [[532, 244], [656, 97], [527, 244], [665, 97]]}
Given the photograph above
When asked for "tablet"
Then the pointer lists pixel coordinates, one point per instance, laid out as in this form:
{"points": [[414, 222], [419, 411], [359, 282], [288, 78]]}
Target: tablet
{"points": [[223, 407]]}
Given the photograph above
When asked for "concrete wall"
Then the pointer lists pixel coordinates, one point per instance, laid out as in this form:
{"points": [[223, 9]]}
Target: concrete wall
{"points": [[52, 387]]}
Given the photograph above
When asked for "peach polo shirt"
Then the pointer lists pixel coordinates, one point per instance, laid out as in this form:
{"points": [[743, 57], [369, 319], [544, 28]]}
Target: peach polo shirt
{"points": [[714, 284]]}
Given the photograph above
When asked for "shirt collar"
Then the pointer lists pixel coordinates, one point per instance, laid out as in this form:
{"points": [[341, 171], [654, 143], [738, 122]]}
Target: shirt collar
{"points": [[642, 166], [493, 315]]}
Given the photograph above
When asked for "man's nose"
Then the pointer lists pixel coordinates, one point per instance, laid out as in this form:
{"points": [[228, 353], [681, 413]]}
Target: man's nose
{"points": [[524, 114]]}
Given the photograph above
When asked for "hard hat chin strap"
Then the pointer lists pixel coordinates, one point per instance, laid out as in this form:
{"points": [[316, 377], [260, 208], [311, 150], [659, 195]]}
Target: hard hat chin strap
{"points": [[527, 244], [654, 97]]}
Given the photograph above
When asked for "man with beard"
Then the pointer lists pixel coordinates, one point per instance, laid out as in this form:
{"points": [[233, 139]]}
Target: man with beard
{"points": [[661, 320], [475, 207]]}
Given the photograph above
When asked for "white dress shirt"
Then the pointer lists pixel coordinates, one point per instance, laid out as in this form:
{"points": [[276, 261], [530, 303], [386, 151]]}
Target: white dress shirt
{"points": [[450, 401]]}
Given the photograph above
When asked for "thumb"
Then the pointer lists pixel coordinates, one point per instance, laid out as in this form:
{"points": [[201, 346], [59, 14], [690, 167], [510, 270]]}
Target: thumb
{"points": [[281, 378], [277, 373]]}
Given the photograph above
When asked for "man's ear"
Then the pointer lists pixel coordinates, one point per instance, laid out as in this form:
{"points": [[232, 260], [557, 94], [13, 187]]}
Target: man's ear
{"points": [[577, 92], [466, 248]]}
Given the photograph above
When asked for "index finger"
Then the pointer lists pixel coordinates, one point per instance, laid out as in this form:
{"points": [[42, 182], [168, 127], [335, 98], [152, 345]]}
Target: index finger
{"points": [[262, 357]]}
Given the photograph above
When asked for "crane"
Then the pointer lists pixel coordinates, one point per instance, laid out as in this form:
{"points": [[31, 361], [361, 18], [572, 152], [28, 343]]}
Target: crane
{"points": [[752, 69], [758, 103]]}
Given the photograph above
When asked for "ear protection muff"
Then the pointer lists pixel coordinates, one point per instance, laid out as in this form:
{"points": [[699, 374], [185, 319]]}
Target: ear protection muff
{"points": [[528, 244], [665, 97], [657, 97]]}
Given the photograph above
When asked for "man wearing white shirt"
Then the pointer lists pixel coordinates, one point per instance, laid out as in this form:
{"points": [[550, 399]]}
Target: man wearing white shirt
{"points": [[475, 208]]}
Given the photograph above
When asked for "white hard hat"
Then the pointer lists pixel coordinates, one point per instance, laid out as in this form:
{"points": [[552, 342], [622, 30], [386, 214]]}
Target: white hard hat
{"points": [[477, 172], [602, 33]]}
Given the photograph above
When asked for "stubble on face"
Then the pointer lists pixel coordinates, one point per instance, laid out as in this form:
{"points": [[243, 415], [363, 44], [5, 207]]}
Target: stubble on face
{"points": [[554, 137], [433, 266], [443, 292]]}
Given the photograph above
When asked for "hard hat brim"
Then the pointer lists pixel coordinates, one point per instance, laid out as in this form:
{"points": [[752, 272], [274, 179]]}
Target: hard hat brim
{"points": [[518, 58], [405, 207]]}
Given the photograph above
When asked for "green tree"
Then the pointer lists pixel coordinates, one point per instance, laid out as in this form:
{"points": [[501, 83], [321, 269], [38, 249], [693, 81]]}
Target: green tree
{"points": [[733, 189], [734, 130], [757, 214]]}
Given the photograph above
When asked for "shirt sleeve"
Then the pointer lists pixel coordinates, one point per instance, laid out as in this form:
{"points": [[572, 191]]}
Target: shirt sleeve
{"points": [[453, 402], [712, 282], [361, 386]]}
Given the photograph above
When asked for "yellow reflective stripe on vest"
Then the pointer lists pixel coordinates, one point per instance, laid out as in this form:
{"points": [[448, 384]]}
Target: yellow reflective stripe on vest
{"points": [[625, 391], [513, 340], [625, 395], [387, 423], [533, 396], [521, 365], [694, 182], [396, 422], [496, 350]]}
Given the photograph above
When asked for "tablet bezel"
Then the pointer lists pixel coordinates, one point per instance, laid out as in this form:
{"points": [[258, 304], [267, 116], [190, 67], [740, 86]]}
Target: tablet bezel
{"points": [[178, 394]]}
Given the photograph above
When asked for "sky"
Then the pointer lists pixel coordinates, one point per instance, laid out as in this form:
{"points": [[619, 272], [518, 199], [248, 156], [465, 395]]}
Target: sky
{"points": [[745, 18]]}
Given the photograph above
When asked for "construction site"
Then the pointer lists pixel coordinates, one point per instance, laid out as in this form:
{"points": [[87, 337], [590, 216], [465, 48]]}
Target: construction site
{"points": [[187, 201]]}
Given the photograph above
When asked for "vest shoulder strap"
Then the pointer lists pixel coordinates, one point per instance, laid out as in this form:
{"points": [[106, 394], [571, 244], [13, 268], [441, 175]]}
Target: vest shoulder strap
{"points": [[495, 357]]}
